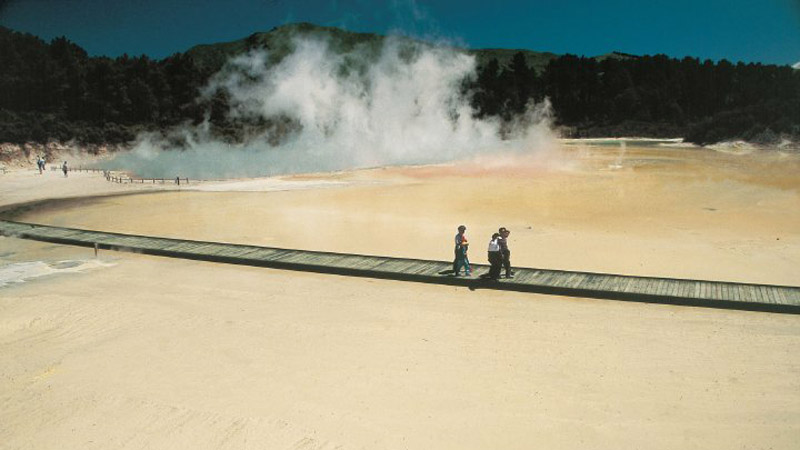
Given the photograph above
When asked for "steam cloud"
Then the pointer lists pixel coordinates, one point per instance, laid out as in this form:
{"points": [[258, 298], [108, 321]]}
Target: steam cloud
{"points": [[329, 111]]}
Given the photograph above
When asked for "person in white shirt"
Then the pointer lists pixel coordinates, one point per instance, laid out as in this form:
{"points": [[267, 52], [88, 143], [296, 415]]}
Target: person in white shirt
{"points": [[495, 257]]}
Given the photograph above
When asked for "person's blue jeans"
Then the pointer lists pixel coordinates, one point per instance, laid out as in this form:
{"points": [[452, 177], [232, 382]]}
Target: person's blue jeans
{"points": [[461, 261]]}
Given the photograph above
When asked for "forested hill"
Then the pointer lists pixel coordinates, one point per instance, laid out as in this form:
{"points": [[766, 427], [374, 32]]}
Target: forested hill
{"points": [[55, 92]]}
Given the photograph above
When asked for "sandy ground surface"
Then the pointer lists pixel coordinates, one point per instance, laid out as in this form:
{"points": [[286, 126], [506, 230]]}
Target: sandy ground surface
{"points": [[130, 351]]}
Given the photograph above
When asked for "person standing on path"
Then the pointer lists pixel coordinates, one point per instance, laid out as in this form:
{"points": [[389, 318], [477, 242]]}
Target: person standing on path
{"points": [[495, 258], [505, 252], [461, 259], [65, 169]]}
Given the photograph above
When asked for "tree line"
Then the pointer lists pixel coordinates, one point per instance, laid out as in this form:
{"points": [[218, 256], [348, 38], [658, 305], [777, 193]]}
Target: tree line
{"points": [[55, 91], [625, 95]]}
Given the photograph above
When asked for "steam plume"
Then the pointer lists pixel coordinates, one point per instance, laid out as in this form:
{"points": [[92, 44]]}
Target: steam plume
{"points": [[327, 110]]}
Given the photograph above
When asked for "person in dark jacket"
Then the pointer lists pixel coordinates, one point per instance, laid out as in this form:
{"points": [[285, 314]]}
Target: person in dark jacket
{"points": [[504, 251]]}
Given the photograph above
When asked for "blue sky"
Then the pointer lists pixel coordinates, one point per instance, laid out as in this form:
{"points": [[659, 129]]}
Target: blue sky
{"points": [[765, 31]]}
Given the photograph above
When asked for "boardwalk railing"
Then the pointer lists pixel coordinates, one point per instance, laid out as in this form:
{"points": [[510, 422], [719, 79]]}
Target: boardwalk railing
{"points": [[120, 178], [713, 294], [56, 167], [124, 179]]}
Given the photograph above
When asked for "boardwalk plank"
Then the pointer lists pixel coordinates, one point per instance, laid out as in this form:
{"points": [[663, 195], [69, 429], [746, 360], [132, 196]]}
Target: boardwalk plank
{"points": [[55, 233], [653, 287], [626, 281], [784, 296], [578, 279], [766, 293], [721, 291], [713, 291], [609, 284], [685, 288], [725, 291], [694, 290], [739, 293], [760, 294], [537, 276], [646, 286], [751, 294], [574, 280], [658, 286], [701, 290], [523, 276], [631, 285], [368, 263], [237, 252], [560, 279], [635, 285], [394, 265], [744, 293], [418, 266], [707, 290], [602, 282], [661, 287], [591, 282], [771, 295], [671, 289], [733, 289], [263, 254], [778, 295]]}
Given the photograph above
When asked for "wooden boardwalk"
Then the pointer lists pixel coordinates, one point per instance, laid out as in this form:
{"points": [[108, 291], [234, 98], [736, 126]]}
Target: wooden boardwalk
{"points": [[715, 294]]}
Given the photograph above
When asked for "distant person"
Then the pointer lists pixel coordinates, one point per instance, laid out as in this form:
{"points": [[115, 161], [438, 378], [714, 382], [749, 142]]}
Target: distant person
{"points": [[506, 253], [495, 258], [65, 169], [461, 259], [40, 164]]}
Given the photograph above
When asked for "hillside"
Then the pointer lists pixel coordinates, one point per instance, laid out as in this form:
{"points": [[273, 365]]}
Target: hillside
{"points": [[211, 57], [53, 91]]}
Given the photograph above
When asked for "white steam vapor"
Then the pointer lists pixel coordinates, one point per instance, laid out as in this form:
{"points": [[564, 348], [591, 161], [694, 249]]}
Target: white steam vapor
{"points": [[330, 111]]}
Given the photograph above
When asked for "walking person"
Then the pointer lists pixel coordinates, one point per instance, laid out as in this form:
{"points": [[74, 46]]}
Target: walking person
{"points": [[65, 169], [495, 258], [40, 164], [505, 252], [461, 259]]}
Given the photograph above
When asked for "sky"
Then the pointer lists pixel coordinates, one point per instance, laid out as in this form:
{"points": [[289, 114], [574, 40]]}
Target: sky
{"points": [[766, 31]]}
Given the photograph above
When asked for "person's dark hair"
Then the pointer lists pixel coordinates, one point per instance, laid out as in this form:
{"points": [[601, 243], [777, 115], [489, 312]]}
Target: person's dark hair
{"points": [[496, 235], [502, 229], [462, 227]]}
